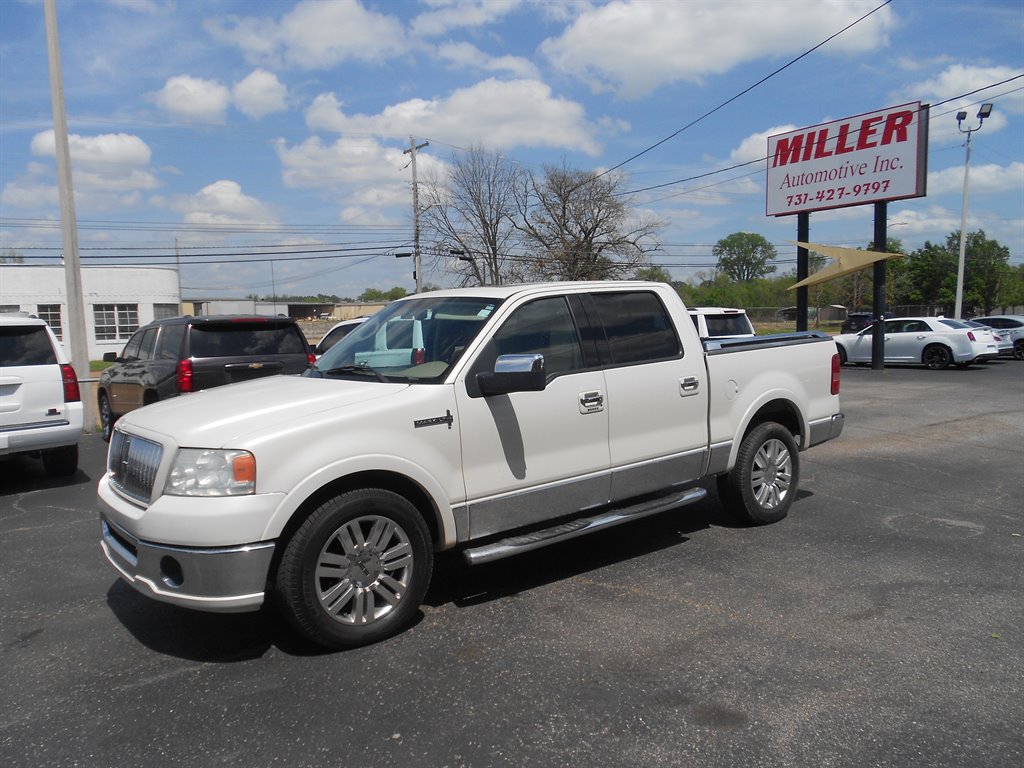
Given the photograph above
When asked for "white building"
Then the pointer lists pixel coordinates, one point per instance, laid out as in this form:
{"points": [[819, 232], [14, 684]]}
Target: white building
{"points": [[117, 299]]}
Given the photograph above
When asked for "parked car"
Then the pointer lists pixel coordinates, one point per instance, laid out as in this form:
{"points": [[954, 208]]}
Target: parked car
{"points": [[40, 402], [1008, 325], [721, 323], [856, 321], [186, 354], [337, 332], [930, 341], [1003, 343]]}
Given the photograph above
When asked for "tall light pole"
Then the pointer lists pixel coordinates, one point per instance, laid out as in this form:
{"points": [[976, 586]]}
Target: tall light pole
{"points": [[985, 111]]}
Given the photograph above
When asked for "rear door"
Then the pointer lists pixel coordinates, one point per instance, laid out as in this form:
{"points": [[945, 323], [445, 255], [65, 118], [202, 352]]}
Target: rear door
{"points": [[657, 394]]}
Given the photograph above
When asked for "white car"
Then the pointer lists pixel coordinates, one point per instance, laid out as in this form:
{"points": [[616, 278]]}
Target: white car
{"points": [[1003, 343], [40, 401], [934, 342], [338, 332], [1008, 326]]}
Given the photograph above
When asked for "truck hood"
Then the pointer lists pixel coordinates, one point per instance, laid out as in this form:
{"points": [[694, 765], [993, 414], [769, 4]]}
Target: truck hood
{"points": [[220, 417]]}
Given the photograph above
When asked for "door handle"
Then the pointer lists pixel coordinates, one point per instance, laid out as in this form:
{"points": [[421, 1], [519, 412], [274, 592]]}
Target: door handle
{"points": [[688, 386], [591, 402]]}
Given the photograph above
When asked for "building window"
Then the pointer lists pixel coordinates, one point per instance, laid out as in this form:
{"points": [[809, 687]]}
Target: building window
{"points": [[164, 311], [50, 313], [10, 308], [115, 321]]}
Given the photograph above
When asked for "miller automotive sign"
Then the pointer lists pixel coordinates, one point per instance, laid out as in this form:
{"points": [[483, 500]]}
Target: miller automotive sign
{"points": [[864, 159]]}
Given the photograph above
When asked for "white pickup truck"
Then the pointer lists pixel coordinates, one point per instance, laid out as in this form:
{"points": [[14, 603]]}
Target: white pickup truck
{"points": [[489, 420]]}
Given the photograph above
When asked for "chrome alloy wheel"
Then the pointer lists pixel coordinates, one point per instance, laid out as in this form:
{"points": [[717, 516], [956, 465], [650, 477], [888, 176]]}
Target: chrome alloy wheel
{"points": [[772, 474], [363, 570]]}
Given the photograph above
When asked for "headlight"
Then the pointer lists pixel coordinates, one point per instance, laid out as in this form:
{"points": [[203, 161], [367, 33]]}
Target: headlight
{"points": [[200, 472]]}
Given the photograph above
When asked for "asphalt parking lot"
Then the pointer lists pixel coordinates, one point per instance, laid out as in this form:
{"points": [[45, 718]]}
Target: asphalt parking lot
{"points": [[880, 624]]}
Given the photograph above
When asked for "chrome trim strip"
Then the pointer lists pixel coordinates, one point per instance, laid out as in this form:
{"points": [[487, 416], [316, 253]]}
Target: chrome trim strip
{"points": [[826, 429], [656, 474], [718, 458], [35, 425]]}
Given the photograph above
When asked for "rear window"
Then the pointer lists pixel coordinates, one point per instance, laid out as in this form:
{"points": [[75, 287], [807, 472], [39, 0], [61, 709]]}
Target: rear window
{"points": [[246, 340], [26, 345], [727, 325], [638, 326]]}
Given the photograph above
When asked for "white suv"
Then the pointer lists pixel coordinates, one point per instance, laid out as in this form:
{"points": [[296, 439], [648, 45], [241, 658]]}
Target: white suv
{"points": [[40, 402]]}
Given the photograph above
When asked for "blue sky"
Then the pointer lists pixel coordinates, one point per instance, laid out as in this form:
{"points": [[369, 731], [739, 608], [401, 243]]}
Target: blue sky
{"points": [[217, 127]]}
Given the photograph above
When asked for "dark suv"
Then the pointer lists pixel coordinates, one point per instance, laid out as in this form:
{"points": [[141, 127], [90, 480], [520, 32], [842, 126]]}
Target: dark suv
{"points": [[186, 354]]}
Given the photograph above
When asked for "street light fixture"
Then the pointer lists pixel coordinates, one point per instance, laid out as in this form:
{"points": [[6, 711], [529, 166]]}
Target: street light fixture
{"points": [[983, 112]]}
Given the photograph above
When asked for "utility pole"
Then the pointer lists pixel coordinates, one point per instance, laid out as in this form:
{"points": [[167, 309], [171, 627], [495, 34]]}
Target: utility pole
{"points": [[76, 328], [411, 151]]}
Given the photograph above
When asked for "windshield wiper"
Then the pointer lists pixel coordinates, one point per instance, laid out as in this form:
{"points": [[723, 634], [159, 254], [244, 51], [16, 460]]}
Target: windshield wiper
{"points": [[360, 369]]}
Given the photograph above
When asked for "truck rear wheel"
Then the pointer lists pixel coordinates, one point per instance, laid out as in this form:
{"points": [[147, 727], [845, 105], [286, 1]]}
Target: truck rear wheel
{"points": [[761, 487], [356, 570]]}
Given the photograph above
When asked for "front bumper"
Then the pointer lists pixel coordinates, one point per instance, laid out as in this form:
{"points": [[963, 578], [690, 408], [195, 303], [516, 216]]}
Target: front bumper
{"points": [[220, 579]]}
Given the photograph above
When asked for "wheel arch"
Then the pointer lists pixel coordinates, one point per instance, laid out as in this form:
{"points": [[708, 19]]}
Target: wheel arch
{"points": [[385, 479]]}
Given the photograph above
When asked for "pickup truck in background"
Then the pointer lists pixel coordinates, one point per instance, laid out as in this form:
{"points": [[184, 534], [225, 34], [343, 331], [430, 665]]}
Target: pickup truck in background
{"points": [[490, 420], [721, 323]]}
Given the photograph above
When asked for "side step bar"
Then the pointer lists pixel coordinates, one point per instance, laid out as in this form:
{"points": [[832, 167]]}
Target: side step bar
{"points": [[516, 545]]}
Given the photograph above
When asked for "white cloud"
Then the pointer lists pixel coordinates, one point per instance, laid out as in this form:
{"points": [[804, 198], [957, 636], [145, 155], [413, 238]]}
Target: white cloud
{"points": [[469, 56], [755, 146], [636, 46], [314, 34], [984, 179], [260, 94], [519, 113], [109, 150], [963, 78], [456, 14], [223, 202], [193, 99], [109, 171]]}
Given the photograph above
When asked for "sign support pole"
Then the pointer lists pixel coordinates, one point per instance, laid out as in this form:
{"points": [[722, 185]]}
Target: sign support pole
{"points": [[878, 303], [803, 235]]}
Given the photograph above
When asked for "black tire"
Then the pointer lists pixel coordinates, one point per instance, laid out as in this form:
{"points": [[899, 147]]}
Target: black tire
{"points": [[106, 418], [1018, 349], [842, 355], [356, 570], [61, 462], [761, 487], [936, 357]]}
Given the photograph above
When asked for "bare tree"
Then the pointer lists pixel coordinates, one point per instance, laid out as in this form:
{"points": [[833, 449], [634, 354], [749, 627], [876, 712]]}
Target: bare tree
{"points": [[469, 214], [577, 226]]}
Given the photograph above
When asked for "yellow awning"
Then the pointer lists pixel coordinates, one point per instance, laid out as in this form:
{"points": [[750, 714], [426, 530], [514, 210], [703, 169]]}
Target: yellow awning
{"points": [[845, 261]]}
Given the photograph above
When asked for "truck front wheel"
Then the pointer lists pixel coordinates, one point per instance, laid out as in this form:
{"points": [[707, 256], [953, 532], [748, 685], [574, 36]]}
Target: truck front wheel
{"points": [[356, 570], [761, 487]]}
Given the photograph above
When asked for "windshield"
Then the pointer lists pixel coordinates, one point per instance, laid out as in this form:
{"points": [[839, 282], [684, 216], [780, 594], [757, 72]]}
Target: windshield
{"points": [[416, 339]]}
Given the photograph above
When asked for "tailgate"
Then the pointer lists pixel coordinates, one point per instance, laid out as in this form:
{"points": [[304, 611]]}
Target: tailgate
{"points": [[31, 396]]}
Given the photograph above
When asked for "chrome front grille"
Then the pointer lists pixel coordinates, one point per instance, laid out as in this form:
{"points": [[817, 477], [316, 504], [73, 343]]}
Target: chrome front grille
{"points": [[133, 463]]}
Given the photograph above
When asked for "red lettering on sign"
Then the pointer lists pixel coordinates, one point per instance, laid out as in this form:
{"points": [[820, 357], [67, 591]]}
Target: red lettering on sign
{"points": [[867, 130], [841, 147], [896, 125]]}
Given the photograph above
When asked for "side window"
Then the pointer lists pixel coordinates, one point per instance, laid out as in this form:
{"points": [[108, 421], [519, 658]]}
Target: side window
{"points": [[893, 326], [169, 345], [916, 326], [148, 342], [638, 327], [131, 349], [544, 326]]}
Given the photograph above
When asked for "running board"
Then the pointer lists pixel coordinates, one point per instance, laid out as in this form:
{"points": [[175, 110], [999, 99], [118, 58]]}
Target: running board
{"points": [[516, 545]]}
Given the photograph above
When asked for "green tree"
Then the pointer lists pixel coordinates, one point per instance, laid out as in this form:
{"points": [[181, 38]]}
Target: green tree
{"points": [[744, 256], [654, 274], [986, 270], [375, 294], [931, 272]]}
